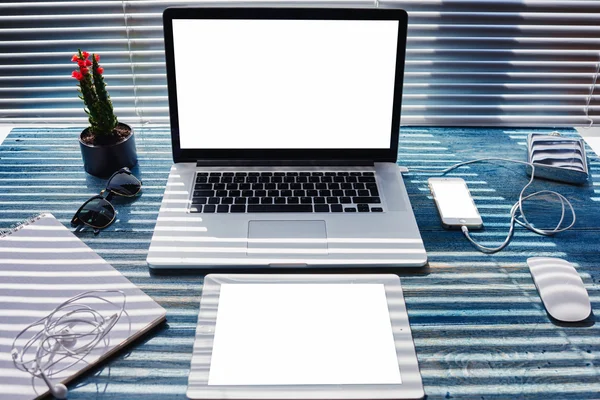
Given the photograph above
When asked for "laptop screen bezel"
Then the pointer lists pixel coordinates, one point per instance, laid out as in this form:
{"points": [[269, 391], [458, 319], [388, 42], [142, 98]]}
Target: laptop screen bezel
{"points": [[274, 155]]}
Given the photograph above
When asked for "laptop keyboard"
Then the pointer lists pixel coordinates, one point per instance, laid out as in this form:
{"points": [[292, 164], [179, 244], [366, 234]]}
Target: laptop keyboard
{"points": [[256, 192]]}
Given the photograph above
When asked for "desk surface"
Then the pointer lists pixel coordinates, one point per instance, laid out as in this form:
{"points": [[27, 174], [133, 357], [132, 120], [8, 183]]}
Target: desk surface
{"points": [[479, 327]]}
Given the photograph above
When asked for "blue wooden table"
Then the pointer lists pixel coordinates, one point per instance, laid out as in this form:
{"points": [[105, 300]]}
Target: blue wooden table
{"points": [[479, 327]]}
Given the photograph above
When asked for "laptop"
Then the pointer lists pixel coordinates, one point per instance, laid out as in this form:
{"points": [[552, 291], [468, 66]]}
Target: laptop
{"points": [[285, 125]]}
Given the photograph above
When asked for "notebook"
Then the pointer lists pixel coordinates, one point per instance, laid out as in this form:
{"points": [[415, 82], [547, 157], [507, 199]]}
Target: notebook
{"points": [[43, 264]]}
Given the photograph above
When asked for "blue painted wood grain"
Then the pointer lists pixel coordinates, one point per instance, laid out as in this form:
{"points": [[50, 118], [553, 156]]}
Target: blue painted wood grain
{"points": [[479, 327]]}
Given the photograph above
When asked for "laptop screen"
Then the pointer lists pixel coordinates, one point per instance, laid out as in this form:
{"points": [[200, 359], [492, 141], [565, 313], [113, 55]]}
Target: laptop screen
{"points": [[285, 84]]}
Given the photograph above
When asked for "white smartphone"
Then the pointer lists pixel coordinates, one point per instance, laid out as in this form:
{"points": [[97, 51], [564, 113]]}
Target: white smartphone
{"points": [[454, 203]]}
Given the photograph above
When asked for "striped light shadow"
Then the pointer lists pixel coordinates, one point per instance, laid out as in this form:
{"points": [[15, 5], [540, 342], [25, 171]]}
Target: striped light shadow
{"points": [[477, 255], [118, 241], [494, 288], [77, 172], [470, 182], [510, 372], [493, 328], [422, 164], [420, 149], [127, 262], [116, 373], [13, 330], [456, 174], [78, 159], [146, 284], [40, 299], [83, 196], [504, 225], [411, 132], [424, 154], [118, 251], [504, 215], [480, 264], [147, 372], [70, 180], [453, 275], [514, 243], [494, 206], [69, 141], [54, 187], [412, 141], [484, 298], [142, 212], [516, 389], [170, 340], [489, 313], [513, 356], [127, 390], [140, 221], [475, 190], [525, 132]]}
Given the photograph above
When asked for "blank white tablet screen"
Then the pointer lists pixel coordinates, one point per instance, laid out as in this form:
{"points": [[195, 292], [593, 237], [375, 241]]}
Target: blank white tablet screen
{"points": [[303, 334]]}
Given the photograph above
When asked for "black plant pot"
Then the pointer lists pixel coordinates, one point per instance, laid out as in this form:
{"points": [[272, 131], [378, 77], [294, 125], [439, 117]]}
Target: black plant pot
{"points": [[103, 160]]}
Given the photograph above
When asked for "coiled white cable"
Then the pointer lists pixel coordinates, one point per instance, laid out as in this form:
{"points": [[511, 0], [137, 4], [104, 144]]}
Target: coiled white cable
{"points": [[57, 339], [517, 208]]}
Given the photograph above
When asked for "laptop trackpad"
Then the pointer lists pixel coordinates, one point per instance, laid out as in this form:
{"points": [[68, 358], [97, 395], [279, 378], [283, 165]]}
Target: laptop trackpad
{"points": [[307, 237]]}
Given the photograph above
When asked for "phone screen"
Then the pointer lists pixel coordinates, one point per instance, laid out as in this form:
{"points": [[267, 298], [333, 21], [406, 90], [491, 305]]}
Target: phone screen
{"points": [[453, 199]]}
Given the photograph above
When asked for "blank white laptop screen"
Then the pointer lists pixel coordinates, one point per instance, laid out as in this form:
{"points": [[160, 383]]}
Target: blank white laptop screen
{"points": [[288, 84], [303, 334]]}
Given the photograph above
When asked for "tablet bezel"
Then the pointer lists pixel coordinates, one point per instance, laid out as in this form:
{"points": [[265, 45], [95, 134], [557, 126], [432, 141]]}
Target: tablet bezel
{"points": [[198, 387]]}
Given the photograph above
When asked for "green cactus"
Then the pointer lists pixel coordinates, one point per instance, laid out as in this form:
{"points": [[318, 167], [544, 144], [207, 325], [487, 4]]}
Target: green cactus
{"points": [[92, 89]]}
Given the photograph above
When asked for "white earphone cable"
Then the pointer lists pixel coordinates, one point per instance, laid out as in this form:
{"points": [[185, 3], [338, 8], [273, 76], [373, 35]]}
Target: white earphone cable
{"points": [[56, 339]]}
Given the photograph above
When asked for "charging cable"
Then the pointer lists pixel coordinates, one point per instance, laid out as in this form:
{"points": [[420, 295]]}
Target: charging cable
{"points": [[517, 209], [69, 333]]}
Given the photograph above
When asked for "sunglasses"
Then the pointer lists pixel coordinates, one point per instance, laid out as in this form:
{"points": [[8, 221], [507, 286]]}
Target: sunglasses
{"points": [[98, 212]]}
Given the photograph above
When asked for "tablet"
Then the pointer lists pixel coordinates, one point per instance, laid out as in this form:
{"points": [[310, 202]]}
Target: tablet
{"points": [[303, 337]]}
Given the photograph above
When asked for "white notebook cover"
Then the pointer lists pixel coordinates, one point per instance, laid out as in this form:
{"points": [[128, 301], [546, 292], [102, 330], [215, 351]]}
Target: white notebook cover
{"points": [[43, 264]]}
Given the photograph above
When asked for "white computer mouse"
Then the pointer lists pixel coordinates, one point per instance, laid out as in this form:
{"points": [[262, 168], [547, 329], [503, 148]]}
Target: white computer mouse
{"points": [[561, 288]]}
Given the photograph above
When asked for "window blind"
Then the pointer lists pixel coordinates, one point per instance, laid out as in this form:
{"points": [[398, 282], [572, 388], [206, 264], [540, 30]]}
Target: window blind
{"points": [[468, 62]]}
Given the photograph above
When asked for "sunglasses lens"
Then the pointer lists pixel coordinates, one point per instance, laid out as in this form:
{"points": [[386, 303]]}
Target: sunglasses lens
{"points": [[124, 184], [97, 212]]}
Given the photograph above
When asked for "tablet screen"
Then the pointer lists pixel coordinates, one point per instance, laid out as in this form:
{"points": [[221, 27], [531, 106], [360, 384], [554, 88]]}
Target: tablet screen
{"points": [[303, 334]]}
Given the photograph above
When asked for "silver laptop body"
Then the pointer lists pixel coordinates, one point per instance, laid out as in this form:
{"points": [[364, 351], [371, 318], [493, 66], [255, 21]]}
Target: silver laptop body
{"points": [[285, 126]]}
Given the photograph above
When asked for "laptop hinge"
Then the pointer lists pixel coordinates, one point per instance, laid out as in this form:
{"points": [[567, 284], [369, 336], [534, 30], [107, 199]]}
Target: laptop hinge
{"points": [[275, 163]]}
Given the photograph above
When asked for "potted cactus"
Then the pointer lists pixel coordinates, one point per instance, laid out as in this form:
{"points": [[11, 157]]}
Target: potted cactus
{"points": [[107, 144]]}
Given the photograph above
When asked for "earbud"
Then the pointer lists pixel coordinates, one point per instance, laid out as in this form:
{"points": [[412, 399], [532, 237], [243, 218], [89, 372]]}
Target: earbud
{"points": [[67, 340], [59, 391]]}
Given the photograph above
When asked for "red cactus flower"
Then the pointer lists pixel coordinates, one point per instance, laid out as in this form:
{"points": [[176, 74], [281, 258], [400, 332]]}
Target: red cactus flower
{"points": [[88, 63], [81, 63], [77, 75], [84, 70], [85, 54], [75, 58], [97, 57], [100, 70]]}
